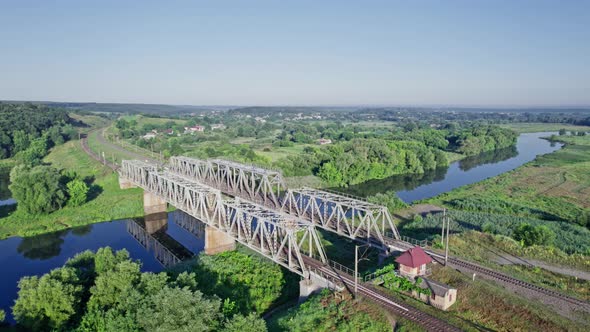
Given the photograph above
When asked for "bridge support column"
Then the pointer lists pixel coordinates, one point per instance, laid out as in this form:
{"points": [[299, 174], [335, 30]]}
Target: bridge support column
{"points": [[153, 204], [217, 241], [314, 284], [126, 184]]}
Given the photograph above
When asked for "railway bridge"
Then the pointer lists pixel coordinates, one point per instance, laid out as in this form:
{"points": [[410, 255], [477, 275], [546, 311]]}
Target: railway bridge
{"points": [[253, 206]]}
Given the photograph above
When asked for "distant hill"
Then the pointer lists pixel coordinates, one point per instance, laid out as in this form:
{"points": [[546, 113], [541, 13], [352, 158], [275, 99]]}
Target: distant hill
{"points": [[128, 108]]}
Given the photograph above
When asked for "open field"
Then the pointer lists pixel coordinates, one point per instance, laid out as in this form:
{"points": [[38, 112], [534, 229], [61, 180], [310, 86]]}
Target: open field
{"points": [[93, 121], [106, 200], [554, 186], [521, 127], [142, 120]]}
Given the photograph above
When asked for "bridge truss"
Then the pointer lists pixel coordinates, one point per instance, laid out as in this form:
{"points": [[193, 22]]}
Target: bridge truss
{"points": [[346, 216], [278, 236], [249, 182]]}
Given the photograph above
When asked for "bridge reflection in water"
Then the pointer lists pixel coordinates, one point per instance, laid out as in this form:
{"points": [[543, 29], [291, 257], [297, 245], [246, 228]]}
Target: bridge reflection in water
{"points": [[151, 232]]}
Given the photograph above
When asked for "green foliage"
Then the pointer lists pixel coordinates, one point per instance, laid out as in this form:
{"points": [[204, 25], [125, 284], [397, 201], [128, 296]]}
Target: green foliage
{"points": [[37, 189], [22, 125], [2, 316], [250, 323], [533, 235], [77, 192], [331, 312], [570, 238], [397, 283], [251, 282], [48, 302], [105, 291], [388, 199]]}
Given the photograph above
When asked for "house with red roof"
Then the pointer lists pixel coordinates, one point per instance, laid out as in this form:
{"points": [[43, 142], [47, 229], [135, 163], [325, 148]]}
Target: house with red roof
{"points": [[413, 262]]}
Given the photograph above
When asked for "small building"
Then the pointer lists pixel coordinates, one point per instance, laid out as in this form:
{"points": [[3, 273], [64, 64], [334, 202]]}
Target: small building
{"points": [[218, 126], [441, 296], [194, 129], [324, 141], [149, 136], [169, 131], [259, 119], [413, 262]]}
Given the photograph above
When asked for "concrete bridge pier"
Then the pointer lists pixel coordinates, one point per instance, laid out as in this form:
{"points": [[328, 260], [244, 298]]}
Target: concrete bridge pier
{"points": [[314, 284], [153, 204], [217, 241], [125, 184]]}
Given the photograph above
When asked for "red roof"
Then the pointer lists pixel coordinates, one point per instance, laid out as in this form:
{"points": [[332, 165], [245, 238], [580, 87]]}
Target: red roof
{"points": [[414, 257]]}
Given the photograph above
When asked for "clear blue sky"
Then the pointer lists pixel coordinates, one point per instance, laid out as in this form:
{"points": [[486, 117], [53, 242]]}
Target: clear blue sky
{"points": [[486, 53]]}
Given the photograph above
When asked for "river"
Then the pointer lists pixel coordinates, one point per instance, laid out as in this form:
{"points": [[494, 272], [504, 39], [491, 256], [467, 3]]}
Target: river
{"points": [[415, 187], [38, 254]]}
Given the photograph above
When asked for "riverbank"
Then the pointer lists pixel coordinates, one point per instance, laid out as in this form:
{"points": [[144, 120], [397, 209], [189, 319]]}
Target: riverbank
{"points": [[554, 186], [106, 200]]}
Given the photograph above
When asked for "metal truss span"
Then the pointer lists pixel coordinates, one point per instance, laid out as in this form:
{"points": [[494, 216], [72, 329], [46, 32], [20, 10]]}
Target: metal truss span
{"points": [[249, 182], [347, 216], [282, 238]]}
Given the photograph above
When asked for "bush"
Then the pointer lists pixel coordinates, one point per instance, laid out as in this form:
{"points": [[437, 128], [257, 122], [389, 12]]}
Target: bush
{"points": [[77, 191], [533, 235], [37, 189]]}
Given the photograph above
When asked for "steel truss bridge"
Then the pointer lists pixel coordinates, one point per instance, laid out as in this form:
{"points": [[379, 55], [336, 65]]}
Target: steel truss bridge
{"points": [[347, 216], [280, 237], [254, 206]]}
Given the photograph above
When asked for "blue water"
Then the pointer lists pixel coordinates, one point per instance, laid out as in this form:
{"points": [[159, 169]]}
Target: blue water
{"points": [[39, 254], [470, 170]]}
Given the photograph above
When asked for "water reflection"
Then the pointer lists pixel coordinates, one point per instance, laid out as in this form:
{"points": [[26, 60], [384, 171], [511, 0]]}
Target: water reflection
{"points": [[490, 157], [396, 183], [42, 247], [4, 182], [151, 232], [467, 171]]}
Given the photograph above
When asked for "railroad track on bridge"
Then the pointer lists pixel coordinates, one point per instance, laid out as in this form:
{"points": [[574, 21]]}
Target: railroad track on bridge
{"points": [[498, 276], [395, 306]]}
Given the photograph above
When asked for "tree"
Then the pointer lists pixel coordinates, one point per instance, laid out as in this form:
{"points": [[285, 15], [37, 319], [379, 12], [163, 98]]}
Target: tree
{"points": [[562, 132], [34, 154], [77, 191], [37, 189], [48, 302], [250, 323], [178, 309], [533, 235]]}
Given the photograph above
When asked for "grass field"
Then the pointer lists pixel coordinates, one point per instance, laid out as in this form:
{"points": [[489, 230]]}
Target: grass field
{"points": [[107, 201], [92, 121], [542, 127], [555, 184], [142, 120]]}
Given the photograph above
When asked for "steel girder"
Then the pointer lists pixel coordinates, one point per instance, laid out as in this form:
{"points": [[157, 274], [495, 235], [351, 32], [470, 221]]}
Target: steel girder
{"points": [[249, 182], [350, 217], [276, 235]]}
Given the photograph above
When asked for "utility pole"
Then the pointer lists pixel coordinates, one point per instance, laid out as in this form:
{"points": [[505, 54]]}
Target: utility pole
{"points": [[356, 265], [442, 233], [447, 244]]}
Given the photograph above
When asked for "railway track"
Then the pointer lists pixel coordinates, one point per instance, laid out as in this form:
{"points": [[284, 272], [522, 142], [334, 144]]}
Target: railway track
{"points": [[86, 148], [397, 307], [495, 275]]}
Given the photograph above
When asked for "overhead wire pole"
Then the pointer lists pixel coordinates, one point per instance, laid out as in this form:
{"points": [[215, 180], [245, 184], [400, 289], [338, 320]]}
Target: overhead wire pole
{"points": [[447, 243], [356, 264]]}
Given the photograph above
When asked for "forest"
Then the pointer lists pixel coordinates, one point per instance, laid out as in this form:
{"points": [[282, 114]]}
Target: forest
{"points": [[31, 129]]}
